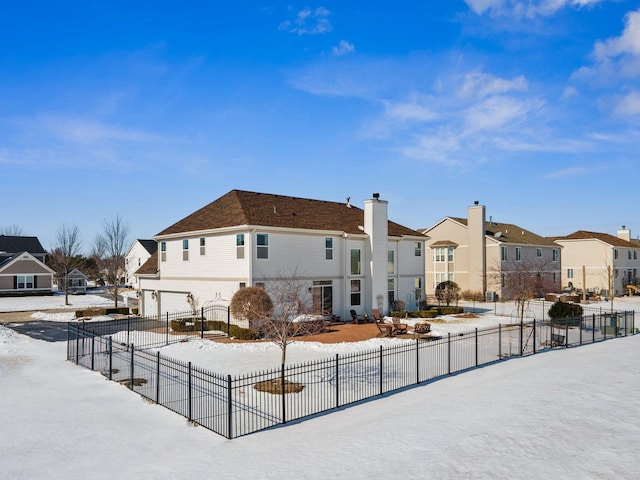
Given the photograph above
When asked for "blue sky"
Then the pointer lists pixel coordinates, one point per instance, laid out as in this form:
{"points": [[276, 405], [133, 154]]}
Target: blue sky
{"points": [[150, 110]]}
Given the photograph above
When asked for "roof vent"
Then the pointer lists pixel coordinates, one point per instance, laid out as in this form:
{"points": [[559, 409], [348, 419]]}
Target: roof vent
{"points": [[497, 234], [348, 202], [275, 210], [522, 232], [376, 196]]}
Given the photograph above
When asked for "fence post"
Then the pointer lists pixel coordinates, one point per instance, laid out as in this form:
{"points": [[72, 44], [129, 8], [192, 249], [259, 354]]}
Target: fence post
{"points": [[625, 324], [499, 341], [158, 376], [167, 330], [417, 361], [449, 353], [190, 395], [381, 369], [476, 346], [77, 345], [566, 332], [228, 322], [593, 329], [128, 328], [581, 322], [284, 400], [110, 346], [337, 380], [131, 368], [93, 347], [229, 408], [521, 337], [201, 322], [534, 333]]}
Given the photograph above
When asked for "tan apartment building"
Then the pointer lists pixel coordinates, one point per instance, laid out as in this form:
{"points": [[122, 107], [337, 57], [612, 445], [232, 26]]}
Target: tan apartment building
{"points": [[485, 256], [599, 262]]}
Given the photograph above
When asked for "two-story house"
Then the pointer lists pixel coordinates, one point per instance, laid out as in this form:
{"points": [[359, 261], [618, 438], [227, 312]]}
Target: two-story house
{"points": [[22, 267], [139, 252], [351, 259], [600, 262], [485, 256]]}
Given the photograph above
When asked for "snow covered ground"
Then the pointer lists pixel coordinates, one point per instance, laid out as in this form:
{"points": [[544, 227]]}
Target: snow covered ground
{"points": [[569, 413]]}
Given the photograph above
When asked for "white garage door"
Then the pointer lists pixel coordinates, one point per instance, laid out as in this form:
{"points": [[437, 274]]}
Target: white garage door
{"points": [[149, 304], [173, 302]]}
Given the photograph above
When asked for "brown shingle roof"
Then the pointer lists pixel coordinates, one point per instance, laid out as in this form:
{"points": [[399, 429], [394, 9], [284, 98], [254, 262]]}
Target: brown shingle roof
{"points": [[239, 207], [604, 237], [150, 267], [510, 233]]}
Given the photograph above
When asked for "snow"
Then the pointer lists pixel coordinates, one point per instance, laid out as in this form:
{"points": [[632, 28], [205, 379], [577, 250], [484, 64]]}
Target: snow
{"points": [[568, 413], [51, 302]]}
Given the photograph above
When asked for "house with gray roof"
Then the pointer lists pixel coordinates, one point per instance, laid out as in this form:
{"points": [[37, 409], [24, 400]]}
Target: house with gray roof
{"points": [[22, 267], [349, 258], [137, 255]]}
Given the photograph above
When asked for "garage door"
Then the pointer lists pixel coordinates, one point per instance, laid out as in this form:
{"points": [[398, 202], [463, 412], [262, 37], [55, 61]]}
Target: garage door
{"points": [[173, 302], [149, 304]]}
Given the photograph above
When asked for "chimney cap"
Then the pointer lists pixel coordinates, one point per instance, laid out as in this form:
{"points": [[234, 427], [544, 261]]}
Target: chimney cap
{"points": [[476, 202], [376, 196]]}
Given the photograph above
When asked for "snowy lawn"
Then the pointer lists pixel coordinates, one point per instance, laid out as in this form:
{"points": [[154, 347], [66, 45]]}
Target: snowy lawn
{"points": [[52, 302]]}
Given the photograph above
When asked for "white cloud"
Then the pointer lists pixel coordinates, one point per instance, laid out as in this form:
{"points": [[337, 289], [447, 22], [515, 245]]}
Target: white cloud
{"points": [[627, 43], [343, 48], [308, 22], [481, 85], [629, 104], [411, 111], [497, 112], [87, 131], [525, 8], [567, 172]]}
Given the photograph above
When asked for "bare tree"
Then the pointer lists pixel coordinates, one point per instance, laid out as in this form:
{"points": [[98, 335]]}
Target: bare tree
{"points": [[281, 312], [112, 243], [523, 281], [12, 231], [448, 292], [65, 255]]}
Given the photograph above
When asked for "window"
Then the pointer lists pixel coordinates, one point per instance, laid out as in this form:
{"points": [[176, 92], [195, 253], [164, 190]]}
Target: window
{"points": [[439, 278], [391, 291], [240, 245], [355, 292], [262, 240], [202, 245], [356, 267], [569, 272], [503, 253], [450, 277], [518, 254], [450, 254], [259, 285], [555, 254], [629, 254], [391, 264], [417, 248], [24, 282], [163, 251], [615, 254], [243, 284], [504, 280], [635, 255], [439, 254], [538, 252], [555, 279], [328, 248], [417, 285], [185, 249]]}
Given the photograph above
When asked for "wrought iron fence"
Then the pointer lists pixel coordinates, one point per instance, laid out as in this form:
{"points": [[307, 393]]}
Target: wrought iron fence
{"points": [[238, 405]]}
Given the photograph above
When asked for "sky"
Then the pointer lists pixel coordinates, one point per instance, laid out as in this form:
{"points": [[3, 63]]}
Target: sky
{"points": [[151, 110], [567, 413]]}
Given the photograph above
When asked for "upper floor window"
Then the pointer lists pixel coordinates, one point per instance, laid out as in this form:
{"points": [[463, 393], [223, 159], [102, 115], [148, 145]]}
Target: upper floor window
{"points": [[391, 264], [439, 254], [202, 246], [417, 248], [629, 254], [503, 253], [450, 254], [328, 248], [163, 251], [240, 245], [555, 254], [356, 266], [518, 254], [538, 252], [185, 249], [569, 272], [615, 253], [262, 241], [635, 255]]}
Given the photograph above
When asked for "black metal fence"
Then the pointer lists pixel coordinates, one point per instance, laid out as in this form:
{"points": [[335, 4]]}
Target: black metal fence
{"points": [[238, 405]]}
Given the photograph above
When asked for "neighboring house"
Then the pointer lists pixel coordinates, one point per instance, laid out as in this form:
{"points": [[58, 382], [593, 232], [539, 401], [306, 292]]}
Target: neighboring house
{"points": [[350, 258], [137, 255], [599, 262], [478, 255], [22, 267], [76, 282]]}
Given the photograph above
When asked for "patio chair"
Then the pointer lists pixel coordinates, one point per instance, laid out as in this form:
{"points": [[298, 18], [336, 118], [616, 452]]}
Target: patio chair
{"points": [[399, 327], [386, 328], [355, 318], [375, 313]]}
